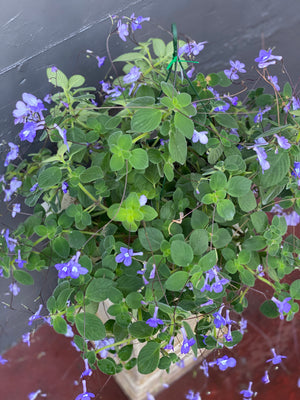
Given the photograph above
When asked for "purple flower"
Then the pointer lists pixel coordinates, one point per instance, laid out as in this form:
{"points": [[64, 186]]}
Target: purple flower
{"points": [[11, 243], [169, 346], [283, 142], [48, 98], [152, 273], [126, 255], [234, 100], [296, 103], [14, 289], [54, 69], [16, 209], [223, 108], [236, 66], [122, 30], [204, 366], [208, 303], [266, 379], [104, 343], [133, 75], [34, 187], [12, 154], [260, 270], [87, 371], [13, 187], [70, 332], [190, 72], [28, 132], [266, 58], [247, 393], [200, 137], [154, 321], [26, 338], [187, 343], [193, 396], [191, 48], [35, 316], [62, 134], [283, 306], [292, 219], [150, 396], [19, 261], [136, 22], [85, 395], [223, 363], [259, 116], [143, 200], [261, 156], [21, 112], [3, 361], [100, 61], [219, 321], [64, 187], [274, 81], [65, 104], [71, 269], [276, 359]]}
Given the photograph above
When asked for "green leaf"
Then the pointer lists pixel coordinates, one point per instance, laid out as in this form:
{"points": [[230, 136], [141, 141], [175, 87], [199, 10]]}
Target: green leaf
{"points": [[226, 209], [129, 57], [164, 363], [287, 90], [59, 325], [184, 124], [61, 247], [178, 147], [199, 241], [91, 174], [107, 366], [168, 89], [259, 220], [218, 181], [181, 253], [148, 358], [255, 243], [145, 120], [221, 238], [125, 352], [238, 186], [159, 47], [269, 309], [116, 162], [199, 219], [63, 297], [214, 154], [90, 326], [23, 277], [226, 120], [57, 78], [247, 202], [76, 81], [149, 213], [235, 163], [49, 177], [177, 281], [98, 289], [139, 159], [295, 289], [133, 300], [140, 330], [247, 277], [207, 261], [279, 168], [76, 239], [51, 305], [150, 238], [169, 172]]}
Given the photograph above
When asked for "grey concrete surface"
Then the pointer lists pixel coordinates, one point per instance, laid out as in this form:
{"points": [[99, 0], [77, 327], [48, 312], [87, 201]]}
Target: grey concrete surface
{"points": [[37, 34]]}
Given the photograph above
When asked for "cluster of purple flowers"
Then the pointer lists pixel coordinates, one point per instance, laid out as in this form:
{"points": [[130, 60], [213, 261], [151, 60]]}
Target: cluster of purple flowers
{"points": [[112, 92], [191, 48], [292, 219], [133, 24], [99, 344], [217, 285], [71, 269], [30, 113]]}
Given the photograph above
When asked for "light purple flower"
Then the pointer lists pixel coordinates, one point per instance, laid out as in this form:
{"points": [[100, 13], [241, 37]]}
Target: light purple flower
{"points": [[87, 371], [219, 321], [100, 61], [136, 22], [283, 142], [223, 108], [193, 396], [62, 134], [85, 395], [190, 72], [16, 209], [71, 269], [259, 116], [247, 393], [122, 30], [12, 154], [150, 396], [187, 343], [64, 187], [28, 132], [261, 156], [154, 321], [103, 343], [125, 256], [283, 306], [19, 261], [26, 338], [143, 200], [70, 332], [260, 270], [48, 98], [204, 366], [14, 289], [34, 187], [200, 137], [33, 103], [35, 316], [10, 242], [274, 81], [236, 66], [191, 48], [266, 379], [169, 346], [21, 112], [266, 58], [224, 362], [54, 69], [276, 359], [152, 273], [3, 361], [133, 75], [234, 100]]}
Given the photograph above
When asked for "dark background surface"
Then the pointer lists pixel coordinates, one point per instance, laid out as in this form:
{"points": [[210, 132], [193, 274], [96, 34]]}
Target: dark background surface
{"points": [[37, 34]]}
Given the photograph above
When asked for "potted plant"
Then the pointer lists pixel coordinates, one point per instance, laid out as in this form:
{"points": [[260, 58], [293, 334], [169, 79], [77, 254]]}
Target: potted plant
{"points": [[156, 200]]}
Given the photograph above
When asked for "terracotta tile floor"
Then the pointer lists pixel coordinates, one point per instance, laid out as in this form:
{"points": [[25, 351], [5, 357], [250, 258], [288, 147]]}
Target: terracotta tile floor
{"points": [[52, 365]]}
